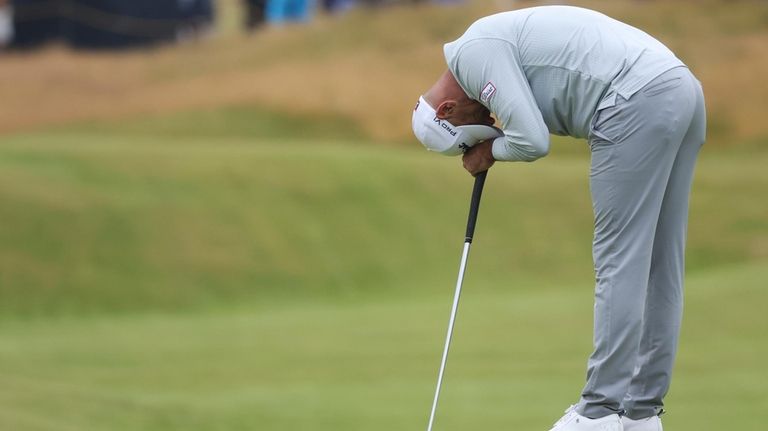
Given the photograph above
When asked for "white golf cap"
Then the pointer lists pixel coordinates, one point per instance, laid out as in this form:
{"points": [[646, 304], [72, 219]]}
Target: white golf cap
{"points": [[443, 137]]}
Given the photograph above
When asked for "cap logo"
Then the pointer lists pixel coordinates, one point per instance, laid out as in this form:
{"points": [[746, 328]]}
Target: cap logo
{"points": [[488, 91], [444, 126]]}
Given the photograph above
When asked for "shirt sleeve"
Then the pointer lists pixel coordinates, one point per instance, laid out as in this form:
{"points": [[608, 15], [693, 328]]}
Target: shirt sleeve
{"points": [[489, 71]]}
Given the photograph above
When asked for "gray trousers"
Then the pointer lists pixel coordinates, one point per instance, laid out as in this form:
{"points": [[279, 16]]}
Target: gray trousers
{"points": [[643, 154]]}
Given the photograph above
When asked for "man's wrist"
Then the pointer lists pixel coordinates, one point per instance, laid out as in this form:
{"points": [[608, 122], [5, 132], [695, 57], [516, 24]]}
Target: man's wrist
{"points": [[488, 150]]}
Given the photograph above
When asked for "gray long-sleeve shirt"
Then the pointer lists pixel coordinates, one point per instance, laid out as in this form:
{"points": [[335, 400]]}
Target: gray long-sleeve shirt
{"points": [[548, 70]]}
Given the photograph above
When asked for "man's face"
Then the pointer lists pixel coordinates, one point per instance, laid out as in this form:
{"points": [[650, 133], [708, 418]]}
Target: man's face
{"points": [[468, 111]]}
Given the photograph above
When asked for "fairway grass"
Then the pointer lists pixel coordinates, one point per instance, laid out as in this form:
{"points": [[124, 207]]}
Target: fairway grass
{"points": [[516, 361]]}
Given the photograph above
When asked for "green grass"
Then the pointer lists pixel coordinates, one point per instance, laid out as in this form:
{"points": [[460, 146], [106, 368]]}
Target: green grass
{"points": [[240, 268], [517, 359], [156, 277], [96, 222]]}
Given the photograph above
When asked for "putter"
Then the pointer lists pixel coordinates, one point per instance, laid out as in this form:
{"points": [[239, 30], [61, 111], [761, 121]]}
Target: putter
{"points": [[474, 205]]}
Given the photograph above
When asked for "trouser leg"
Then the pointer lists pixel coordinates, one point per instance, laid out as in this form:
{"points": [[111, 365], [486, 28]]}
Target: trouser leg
{"points": [[664, 301], [634, 146]]}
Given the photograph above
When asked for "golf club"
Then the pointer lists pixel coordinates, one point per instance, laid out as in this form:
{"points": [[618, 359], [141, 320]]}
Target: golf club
{"points": [[474, 205]]}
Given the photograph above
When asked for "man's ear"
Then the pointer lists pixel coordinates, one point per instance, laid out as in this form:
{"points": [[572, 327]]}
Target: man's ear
{"points": [[445, 109]]}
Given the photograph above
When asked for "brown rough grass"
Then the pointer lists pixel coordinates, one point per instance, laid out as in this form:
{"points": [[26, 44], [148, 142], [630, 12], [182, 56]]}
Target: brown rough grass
{"points": [[367, 66]]}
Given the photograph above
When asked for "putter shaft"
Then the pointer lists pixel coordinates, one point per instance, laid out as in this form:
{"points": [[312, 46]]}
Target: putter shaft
{"points": [[454, 308], [474, 206]]}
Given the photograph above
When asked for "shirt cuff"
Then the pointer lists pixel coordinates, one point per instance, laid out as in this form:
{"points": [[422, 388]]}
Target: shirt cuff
{"points": [[503, 150], [500, 150]]}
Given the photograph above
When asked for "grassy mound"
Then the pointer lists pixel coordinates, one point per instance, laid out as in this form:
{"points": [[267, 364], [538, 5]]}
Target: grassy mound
{"points": [[159, 215]]}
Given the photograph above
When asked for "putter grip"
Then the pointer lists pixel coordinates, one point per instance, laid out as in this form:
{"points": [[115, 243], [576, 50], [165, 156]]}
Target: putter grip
{"points": [[474, 205]]}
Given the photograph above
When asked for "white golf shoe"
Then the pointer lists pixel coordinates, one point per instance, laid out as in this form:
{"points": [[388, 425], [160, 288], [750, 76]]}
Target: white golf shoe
{"points": [[652, 423], [573, 421]]}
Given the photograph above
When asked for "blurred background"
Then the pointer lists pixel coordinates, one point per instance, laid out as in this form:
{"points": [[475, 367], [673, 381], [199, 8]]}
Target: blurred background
{"points": [[213, 216]]}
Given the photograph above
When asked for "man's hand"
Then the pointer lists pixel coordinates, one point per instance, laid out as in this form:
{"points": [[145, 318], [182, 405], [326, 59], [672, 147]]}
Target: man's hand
{"points": [[479, 158]]}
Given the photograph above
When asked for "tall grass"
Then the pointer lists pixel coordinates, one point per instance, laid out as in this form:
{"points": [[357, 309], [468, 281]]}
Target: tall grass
{"points": [[366, 66]]}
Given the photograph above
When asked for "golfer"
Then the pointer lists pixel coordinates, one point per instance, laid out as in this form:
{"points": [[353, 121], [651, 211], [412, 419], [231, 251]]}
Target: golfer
{"points": [[571, 71]]}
